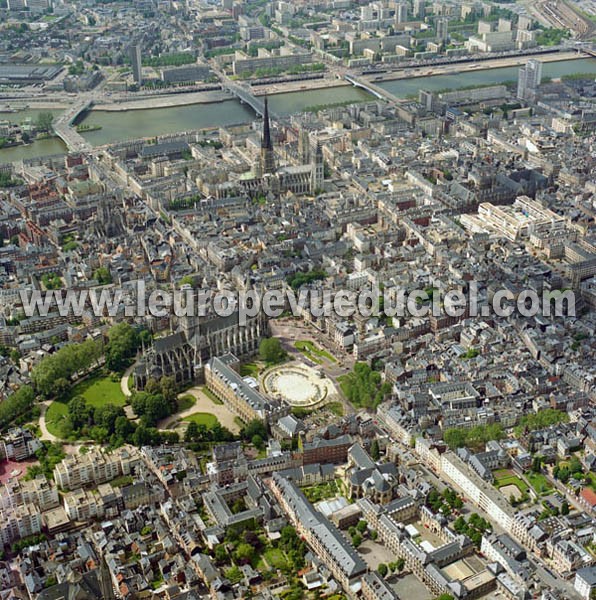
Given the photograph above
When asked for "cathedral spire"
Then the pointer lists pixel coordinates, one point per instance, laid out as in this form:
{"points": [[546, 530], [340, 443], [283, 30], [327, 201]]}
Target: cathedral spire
{"points": [[266, 141], [267, 162]]}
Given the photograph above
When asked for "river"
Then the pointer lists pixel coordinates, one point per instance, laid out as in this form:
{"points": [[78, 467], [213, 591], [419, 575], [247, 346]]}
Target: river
{"points": [[123, 125]]}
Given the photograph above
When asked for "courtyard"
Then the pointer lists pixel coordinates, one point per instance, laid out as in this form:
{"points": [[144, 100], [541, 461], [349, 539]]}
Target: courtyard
{"points": [[298, 384], [206, 410]]}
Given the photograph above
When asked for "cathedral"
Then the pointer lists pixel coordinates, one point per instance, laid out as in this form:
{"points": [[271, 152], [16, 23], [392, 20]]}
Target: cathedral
{"points": [[183, 354], [304, 178]]}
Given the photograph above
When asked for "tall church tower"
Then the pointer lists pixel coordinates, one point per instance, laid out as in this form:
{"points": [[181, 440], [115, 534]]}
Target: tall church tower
{"points": [[105, 581], [317, 166], [267, 157], [303, 145]]}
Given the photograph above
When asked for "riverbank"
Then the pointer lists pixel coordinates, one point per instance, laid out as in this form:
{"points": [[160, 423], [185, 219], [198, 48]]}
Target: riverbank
{"points": [[466, 67], [162, 101], [32, 105], [288, 87]]}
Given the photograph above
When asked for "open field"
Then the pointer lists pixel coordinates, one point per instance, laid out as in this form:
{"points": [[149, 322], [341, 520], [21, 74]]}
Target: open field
{"points": [[374, 553], [337, 408], [207, 392], [250, 369], [409, 586]]}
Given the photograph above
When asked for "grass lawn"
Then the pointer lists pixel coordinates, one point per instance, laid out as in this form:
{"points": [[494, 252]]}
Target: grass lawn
{"points": [[97, 390], [185, 402], [100, 390], [55, 415], [505, 477], [313, 352], [336, 408], [202, 418], [250, 369], [275, 558], [343, 384], [122, 481], [539, 483]]}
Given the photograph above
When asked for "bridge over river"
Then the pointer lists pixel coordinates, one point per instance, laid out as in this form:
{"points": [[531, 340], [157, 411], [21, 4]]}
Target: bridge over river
{"points": [[63, 126]]}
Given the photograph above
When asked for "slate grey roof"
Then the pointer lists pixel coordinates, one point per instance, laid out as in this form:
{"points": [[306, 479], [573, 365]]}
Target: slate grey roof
{"points": [[343, 553]]}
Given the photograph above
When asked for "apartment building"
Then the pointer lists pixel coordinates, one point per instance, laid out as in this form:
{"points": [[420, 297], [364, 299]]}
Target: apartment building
{"points": [[477, 490], [39, 491], [18, 444], [19, 522], [84, 505], [95, 467], [585, 582], [269, 60]]}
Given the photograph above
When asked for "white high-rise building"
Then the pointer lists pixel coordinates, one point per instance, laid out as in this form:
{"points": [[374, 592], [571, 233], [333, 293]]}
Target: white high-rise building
{"points": [[401, 12], [442, 26], [529, 79], [419, 9], [137, 64], [16, 5]]}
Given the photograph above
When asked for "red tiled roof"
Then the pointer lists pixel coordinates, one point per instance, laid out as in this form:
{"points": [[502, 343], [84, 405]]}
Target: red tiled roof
{"points": [[589, 495]]}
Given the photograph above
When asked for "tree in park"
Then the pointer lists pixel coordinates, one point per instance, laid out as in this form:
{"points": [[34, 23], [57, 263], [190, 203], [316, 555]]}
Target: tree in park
{"points": [[382, 569], [192, 432], [537, 464], [123, 342], [150, 407], [253, 428], [244, 553], [364, 386], [79, 412], [123, 428], [52, 375], [221, 553], [16, 405], [257, 441], [270, 351], [106, 416]]}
